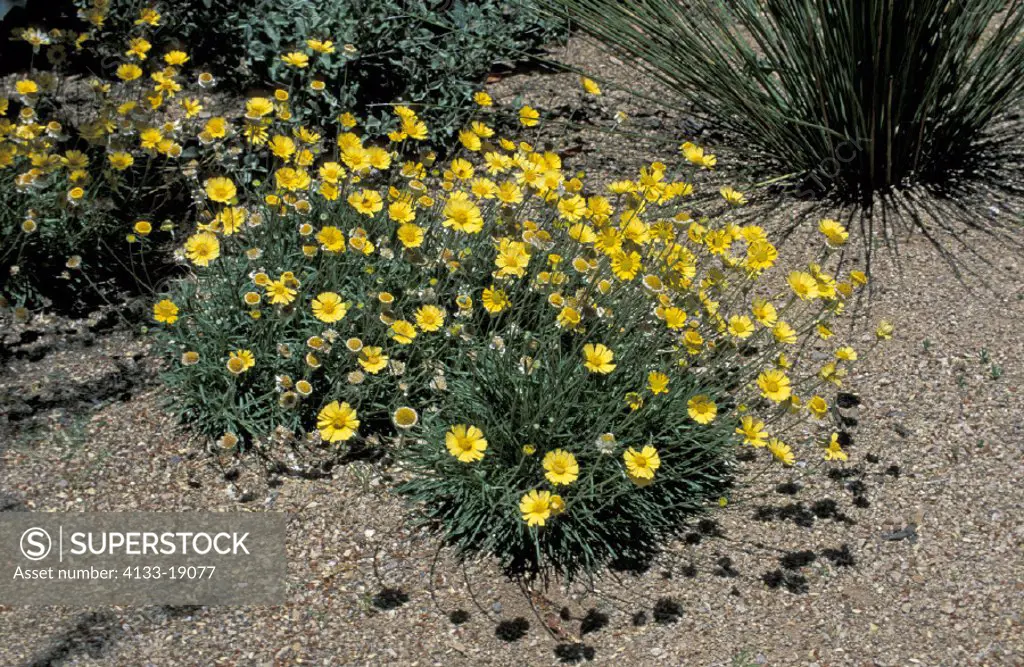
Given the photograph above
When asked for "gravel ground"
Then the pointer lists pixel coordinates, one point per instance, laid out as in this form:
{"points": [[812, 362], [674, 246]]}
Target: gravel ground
{"points": [[915, 556]]}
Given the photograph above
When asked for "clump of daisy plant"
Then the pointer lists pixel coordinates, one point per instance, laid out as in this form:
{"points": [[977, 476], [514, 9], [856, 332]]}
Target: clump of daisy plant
{"points": [[564, 373]]}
